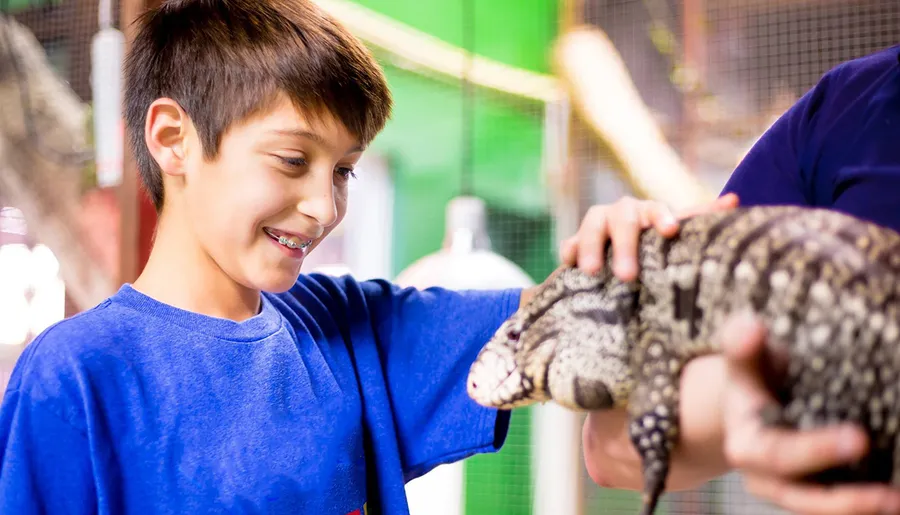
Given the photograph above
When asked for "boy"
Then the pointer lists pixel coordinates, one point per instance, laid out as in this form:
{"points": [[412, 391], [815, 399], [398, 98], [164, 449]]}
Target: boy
{"points": [[220, 381]]}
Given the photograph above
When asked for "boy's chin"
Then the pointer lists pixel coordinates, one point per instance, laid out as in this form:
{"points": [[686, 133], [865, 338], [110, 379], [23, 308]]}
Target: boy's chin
{"points": [[277, 283]]}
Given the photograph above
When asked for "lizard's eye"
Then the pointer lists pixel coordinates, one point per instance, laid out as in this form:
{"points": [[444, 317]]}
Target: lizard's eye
{"points": [[513, 335]]}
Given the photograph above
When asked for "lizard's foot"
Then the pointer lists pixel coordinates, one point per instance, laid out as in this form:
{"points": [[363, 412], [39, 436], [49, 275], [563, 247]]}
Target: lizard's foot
{"points": [[653, 410], [654, 428]]}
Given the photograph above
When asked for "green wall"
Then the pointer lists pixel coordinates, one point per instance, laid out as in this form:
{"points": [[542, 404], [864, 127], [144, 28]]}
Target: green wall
{"points": [[511, 31], [423, 143], [17, 5], [425, 136]]}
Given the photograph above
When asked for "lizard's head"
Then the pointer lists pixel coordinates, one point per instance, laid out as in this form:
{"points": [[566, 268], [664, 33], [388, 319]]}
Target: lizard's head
{"points": [[567, 344]]}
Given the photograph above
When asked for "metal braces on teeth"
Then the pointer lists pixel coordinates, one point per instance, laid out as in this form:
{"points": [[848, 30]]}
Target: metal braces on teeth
{"points": [[290, 244]]}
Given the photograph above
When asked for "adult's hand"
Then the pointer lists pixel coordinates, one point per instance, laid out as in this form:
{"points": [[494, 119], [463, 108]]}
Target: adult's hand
{"points": [[612, 461], [620, 223], [771, 460], [609, 454]]}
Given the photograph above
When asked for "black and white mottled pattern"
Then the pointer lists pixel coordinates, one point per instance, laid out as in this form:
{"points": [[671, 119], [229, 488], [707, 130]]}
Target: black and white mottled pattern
{"points": [[824, 283]]}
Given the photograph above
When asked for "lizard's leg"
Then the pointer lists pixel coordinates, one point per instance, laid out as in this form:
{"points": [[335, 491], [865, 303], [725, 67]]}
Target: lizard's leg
{"points": [[653, 413]]}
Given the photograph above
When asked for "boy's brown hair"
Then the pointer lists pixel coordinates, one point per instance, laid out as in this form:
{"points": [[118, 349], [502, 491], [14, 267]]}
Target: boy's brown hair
{"points": [[226, 60]]}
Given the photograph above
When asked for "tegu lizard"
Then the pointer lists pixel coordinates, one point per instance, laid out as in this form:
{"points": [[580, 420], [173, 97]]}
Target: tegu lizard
{"points": [[824, 283]]}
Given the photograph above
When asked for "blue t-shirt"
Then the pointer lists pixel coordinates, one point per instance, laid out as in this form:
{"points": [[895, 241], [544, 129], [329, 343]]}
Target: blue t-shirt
{"points": [[837, 147], [326, 402]]}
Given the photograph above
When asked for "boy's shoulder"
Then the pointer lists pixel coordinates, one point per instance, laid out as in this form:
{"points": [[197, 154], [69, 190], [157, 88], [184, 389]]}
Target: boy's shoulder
{"points": [[80, 331], [52, 367], [116, 325], [126, 316]]}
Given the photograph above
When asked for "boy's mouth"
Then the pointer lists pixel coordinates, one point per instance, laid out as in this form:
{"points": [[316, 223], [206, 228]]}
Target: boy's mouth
{"points": [[289, 240]]}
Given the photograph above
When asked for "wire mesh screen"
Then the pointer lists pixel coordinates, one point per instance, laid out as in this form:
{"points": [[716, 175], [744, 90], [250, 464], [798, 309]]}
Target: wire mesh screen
{"points": [[44, 90], [715, 75]]}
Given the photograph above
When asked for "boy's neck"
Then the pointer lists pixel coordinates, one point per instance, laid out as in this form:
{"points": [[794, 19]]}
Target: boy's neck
{"points": [[181, 274]]}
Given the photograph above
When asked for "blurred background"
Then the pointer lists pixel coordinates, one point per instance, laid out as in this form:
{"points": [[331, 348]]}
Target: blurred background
{"points": [[512, 116]]}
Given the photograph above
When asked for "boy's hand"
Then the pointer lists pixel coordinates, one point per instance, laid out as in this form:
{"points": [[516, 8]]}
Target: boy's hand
{"points": [[770, 459], [621, 223]]}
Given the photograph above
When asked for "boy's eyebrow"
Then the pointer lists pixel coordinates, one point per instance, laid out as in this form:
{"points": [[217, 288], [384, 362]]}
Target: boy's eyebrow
{"points": [[317, 138]]}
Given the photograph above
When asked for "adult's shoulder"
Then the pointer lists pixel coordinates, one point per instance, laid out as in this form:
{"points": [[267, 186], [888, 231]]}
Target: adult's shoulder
{"points": [[878, 62], [857, 79]]}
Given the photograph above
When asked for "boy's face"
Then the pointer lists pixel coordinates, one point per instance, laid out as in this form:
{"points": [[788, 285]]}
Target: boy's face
{"points": [[277, 187]]}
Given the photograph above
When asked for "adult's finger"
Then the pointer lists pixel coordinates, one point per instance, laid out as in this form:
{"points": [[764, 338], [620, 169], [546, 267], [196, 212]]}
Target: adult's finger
{"points": [[793, 454], [591, 238], [743, 339], [567, 251], [624, 231], [806, 499], [753, 447], [721, 203], [660, 217]]}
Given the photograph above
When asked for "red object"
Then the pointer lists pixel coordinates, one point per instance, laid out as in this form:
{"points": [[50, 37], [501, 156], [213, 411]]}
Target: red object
{"points": [[99, 223], [146, 228]]}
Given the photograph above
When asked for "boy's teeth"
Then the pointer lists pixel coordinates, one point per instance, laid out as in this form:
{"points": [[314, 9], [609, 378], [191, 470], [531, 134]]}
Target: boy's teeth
{"points": [[292, 242]]}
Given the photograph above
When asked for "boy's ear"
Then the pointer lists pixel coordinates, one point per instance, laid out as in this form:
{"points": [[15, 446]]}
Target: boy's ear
{"points": [[165, 133]]}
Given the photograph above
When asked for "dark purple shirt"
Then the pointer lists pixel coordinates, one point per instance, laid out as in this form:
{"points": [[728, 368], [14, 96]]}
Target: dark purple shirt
{"points": [[837, 147]]}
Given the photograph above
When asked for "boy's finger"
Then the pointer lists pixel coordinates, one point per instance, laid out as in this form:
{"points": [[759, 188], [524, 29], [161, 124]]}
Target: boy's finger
{"points": [[816, 500], [624, 229]]}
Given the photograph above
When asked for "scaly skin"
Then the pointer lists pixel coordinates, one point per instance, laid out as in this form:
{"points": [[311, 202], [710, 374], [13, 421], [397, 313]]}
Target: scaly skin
{"points": [[824, 283]]}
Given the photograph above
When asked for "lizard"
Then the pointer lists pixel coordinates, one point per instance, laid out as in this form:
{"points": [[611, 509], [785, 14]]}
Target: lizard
{"points": [[824, 283]]}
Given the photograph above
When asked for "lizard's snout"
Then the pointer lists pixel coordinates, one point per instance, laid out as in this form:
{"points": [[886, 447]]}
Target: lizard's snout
{"points": [[496, 382], [480, 385], [485, 379]]}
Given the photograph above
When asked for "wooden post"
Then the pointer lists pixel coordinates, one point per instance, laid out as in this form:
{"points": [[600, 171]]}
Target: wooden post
{"points": [[694, 29], [129, 194]]}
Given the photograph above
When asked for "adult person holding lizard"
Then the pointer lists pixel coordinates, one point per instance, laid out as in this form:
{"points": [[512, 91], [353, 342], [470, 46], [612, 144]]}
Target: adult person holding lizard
{"points": [[835, 148]]}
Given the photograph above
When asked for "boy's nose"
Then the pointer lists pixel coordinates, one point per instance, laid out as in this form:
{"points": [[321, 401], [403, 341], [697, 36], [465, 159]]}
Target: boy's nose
{"points": [[321, 207]]}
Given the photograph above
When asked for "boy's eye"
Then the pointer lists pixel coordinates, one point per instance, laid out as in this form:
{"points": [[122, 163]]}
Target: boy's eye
{"points": [[295, 162], [346, 173]]}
